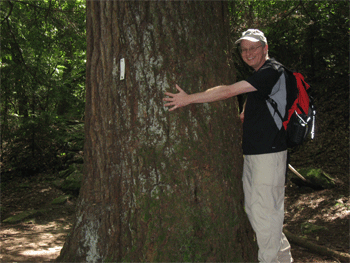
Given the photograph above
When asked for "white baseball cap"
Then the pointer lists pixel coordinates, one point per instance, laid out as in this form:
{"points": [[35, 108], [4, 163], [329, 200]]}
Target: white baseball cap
{"points": [[253, 35]]}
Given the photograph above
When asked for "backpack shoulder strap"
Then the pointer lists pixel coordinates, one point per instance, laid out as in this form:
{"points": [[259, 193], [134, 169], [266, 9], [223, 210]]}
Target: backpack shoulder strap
{"points": [[280, 67], [303, 97]]}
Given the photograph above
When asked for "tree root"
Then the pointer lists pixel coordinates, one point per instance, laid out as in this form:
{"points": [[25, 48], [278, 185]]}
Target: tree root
{"points": [[321, 250]]}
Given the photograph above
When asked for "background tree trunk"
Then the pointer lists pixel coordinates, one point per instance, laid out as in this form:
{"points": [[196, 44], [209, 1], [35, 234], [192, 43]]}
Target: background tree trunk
{"points": [[159, 186]]}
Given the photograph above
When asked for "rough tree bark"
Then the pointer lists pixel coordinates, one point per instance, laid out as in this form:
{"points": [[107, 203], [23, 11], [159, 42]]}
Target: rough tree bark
{"points": [[159, 186]]}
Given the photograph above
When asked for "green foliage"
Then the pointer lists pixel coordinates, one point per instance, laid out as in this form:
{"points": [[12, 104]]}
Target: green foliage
{"points": [[308, 228], [61, 200], [42, 79], [22, 216], [318, 178], [40, 142]]}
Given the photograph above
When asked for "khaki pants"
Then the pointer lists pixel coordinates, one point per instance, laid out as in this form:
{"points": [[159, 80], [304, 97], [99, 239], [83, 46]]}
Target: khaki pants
{"points": [[263, 185]]}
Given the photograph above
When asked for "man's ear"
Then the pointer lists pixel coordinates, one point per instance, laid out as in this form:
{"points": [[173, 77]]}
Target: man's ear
{"points": [[266, 48]]}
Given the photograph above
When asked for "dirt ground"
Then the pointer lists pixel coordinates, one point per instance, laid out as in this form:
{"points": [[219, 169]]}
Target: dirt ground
{"points": [[328, 210], [36, 239], [40, 239]]}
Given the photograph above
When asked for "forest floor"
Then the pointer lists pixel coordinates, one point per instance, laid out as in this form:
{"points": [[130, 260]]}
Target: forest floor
{"points": [[41, 237], [319, 216]]}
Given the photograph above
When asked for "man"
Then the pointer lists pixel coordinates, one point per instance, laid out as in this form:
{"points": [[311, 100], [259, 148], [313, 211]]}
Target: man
{"points": [[264, 142]]}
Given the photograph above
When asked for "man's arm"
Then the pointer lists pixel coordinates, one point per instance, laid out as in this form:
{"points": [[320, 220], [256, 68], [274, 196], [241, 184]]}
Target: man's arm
{"points": [[182, 99]]}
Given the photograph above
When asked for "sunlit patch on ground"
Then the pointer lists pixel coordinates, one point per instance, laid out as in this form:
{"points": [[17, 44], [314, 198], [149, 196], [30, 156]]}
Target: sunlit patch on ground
{"points": [[54, 251], [39, 242]]}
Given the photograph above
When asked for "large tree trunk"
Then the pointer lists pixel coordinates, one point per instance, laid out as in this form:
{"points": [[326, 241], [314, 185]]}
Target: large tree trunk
{"points": [[159, 186]]}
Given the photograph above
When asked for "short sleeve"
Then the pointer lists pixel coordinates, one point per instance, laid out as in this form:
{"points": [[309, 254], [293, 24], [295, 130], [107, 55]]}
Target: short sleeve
{"points": [[264, 80]]}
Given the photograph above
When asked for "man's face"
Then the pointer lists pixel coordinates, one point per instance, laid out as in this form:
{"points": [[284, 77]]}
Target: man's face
{"points": [[253, 53]]}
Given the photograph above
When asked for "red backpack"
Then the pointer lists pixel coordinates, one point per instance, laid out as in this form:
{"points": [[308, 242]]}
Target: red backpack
{"points": [[300, 119]]}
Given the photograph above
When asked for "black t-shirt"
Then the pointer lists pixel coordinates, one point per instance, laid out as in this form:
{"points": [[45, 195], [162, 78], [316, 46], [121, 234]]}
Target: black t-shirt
{"points": [[261, 134]]}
